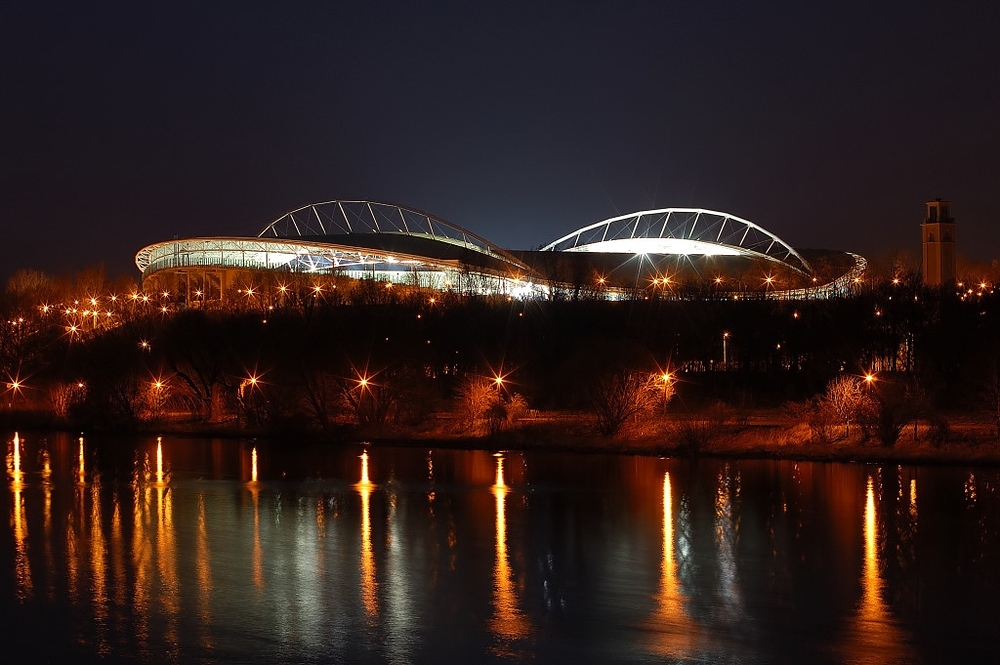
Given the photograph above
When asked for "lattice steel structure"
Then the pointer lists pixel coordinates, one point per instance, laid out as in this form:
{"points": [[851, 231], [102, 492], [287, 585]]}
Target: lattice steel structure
{"points": [[689, 231], [339, 235], [350, 218]]}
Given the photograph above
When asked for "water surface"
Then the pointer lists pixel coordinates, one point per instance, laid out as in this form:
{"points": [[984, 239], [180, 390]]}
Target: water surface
{"points": [[180, 550]]}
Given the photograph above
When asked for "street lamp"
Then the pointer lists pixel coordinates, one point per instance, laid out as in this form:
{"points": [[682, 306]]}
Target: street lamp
{"points": [[14, 386], [158, 386], [666, 387]]}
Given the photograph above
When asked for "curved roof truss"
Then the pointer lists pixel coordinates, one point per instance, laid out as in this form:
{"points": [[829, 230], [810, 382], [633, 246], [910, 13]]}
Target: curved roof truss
{"points": [[320, 221], [681, 231]]}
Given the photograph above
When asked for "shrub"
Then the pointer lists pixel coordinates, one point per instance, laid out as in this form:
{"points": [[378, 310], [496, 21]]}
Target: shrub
{"points": [[621, 395]]}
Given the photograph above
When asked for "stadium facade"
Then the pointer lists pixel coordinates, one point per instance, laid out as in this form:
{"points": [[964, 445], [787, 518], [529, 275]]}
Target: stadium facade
{"points": [[668, 252]]}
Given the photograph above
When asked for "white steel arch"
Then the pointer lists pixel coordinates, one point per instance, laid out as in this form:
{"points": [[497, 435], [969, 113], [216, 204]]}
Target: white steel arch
{"points": [[691, 231], [323, 221]]}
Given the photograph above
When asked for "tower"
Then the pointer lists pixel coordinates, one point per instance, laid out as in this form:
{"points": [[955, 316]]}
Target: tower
{"points": [[938, 232]]}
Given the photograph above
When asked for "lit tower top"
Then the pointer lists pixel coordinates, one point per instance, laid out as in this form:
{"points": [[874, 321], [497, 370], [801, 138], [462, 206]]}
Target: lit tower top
{"points": [[938, 231]]}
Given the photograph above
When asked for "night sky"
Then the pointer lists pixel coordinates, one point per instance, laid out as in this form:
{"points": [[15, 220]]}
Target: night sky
{"points": [[827, 123]]}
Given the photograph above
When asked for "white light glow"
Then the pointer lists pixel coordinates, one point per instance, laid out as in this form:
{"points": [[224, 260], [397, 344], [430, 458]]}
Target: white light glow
{"points": [[677, 246]]}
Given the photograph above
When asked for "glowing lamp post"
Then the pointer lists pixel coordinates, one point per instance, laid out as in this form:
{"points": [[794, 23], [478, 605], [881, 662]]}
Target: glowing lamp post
{"points": [[158, 386], [666, 387], [14, 385]]}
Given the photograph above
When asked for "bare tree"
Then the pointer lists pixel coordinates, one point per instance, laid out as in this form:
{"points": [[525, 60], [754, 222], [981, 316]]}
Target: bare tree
{"points": [[476, 394], [517, 407], [480, 399], [247, 400], [319, 388], [66, 394], [30, 288], [379, 399], [621, 395], [889, 407], [845, 399], [198, 354]]}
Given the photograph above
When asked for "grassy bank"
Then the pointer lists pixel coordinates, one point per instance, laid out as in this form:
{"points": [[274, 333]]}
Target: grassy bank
{"points": [[763, 433]]}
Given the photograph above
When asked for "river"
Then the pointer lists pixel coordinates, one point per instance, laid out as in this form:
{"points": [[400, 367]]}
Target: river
{"points": [[139, 549]]}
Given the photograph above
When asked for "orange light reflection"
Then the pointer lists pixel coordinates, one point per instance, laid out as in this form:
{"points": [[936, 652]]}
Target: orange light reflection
{"points": [[874, 634], [16, 470], [166, 558], [159, 459], [82, 477], [508, 622], [258, 555], [675, 635], [369, 585], [19, 521]]}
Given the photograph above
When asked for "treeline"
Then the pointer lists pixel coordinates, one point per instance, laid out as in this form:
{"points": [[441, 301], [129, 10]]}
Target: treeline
{"points": [[378, 355]]}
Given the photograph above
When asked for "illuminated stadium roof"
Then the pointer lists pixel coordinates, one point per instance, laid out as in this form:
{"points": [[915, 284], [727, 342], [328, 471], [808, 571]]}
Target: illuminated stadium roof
{"points": [[616, 257], [337, 235], [683, 231]]}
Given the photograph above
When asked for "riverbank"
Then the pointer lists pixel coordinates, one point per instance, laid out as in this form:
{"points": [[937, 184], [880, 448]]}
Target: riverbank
{"points": [[764, 434], [760, 434]]}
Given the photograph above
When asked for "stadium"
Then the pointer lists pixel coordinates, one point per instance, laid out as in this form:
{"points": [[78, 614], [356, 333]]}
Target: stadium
{"points": [[664, 253]]}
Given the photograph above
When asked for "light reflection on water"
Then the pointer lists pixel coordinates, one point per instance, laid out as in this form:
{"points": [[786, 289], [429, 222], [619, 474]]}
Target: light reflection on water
{"points": [[19, 522], [508, 624], [675, 635], [224, 552], [873, 630], [369, 590]]}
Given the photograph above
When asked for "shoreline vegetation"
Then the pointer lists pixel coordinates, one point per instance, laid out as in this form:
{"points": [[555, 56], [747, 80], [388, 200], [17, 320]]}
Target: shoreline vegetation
{"points": [[758, 434], [894, 371]]}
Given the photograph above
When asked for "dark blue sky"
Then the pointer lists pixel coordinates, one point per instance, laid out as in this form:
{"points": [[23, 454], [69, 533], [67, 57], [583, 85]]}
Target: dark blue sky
{"points": [[827, 123]]}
